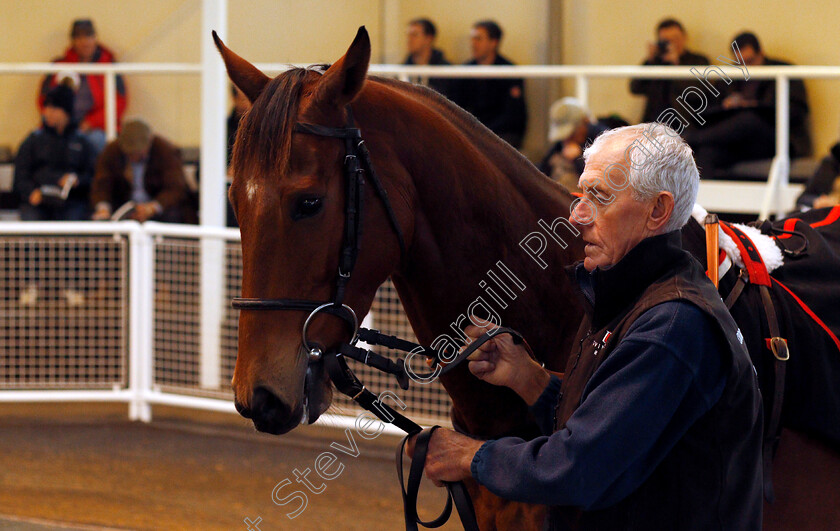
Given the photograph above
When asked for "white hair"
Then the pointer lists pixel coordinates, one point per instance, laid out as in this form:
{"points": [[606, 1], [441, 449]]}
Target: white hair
{"points": [[659, 160]]}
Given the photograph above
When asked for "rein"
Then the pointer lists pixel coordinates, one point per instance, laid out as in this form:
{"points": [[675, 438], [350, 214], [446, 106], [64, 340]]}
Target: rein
{"points": [[357, 164]]}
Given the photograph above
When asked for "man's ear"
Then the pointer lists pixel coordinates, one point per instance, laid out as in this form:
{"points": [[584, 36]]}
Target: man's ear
{"points": [[663, 208]]}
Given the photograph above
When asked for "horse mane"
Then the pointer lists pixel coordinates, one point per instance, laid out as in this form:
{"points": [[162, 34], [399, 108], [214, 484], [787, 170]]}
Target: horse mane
{"points": [[264, 136], [511, 162]]}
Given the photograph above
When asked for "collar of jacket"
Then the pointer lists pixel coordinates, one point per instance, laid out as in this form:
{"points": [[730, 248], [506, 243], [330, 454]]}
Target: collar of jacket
{"points": [[609, 292]]}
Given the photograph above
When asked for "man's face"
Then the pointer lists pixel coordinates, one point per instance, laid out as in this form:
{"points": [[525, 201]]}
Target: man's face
{"points": [[675, 37], [751, 57], [418, 42], [55, 116], [617, 226], [483, 47], [84, 46]]}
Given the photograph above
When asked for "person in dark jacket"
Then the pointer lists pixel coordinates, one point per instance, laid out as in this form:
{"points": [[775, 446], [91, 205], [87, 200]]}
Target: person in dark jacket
{"points": [[497, 103], [669, 49], [570, 131], [54, 165], [657, 420], [743, 127], [89, 107], [823, 188], [421, 36], [145, 169]]}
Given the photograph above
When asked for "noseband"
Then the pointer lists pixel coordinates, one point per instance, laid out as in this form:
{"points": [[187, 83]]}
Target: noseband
{"points": [[357, 164]]}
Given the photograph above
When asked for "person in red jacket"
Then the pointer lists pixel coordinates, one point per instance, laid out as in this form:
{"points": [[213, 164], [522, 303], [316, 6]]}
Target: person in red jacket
{"points": [[89, 110]]}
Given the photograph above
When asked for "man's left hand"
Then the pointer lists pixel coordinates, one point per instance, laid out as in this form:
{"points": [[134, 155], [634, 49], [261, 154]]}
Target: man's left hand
{"points": [[144, 211], [449, 456]]}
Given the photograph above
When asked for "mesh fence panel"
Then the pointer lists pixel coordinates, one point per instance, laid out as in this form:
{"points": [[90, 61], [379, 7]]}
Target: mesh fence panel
{"points": [[63, 312], [178, 320]]}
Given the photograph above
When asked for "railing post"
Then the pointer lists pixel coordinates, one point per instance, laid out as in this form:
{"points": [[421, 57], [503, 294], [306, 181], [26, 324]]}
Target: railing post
{"points": [[212, 193], [141, 316], [110, 105], [780, 169], [582, 90]]}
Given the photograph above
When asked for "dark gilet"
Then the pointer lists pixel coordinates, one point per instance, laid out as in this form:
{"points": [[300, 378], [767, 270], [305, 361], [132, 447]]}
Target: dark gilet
{"points": [[712, 478]]}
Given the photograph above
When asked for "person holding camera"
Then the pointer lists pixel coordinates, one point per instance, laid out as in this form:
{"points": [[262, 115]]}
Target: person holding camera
{"points": [[669, 49]]}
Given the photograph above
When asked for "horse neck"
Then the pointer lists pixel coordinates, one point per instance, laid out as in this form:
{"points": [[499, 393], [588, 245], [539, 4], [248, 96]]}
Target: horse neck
{"points": [[474, 198]]}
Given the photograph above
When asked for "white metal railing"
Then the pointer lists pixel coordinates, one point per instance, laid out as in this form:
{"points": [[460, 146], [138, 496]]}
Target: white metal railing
{"points": [[159, 356], [775, 190]]}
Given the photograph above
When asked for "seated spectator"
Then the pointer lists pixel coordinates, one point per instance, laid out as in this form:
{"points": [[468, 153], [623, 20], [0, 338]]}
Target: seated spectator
{"points": [[669, 49], [421, 51], [145, 169], [743, 127], [241, 104], [570, 131], [823, 188], [54, 165], [497, 103], [89, 110]]}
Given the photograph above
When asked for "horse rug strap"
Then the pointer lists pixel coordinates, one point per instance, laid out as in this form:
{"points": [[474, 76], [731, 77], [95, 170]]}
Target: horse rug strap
{"points": [[757, 274]]}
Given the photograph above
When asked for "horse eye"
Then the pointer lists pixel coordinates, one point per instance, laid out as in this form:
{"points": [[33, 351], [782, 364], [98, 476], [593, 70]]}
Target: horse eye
{"points": [[307, 207]]}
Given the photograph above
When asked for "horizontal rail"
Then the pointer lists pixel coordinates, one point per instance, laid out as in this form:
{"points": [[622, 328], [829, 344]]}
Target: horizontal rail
{"points": [[529, 71], [100, 68], [176, 230], [52, 395], [50, 228]]}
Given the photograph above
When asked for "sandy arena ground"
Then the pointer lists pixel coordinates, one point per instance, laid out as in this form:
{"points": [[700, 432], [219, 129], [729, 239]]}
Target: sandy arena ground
{"points": [[85, 467]]}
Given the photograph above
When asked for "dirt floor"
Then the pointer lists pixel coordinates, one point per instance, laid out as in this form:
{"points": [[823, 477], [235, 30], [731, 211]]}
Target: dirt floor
{"points": [[86, 467]]}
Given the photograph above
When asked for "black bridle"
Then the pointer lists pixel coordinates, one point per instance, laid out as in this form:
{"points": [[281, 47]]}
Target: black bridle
{"points": [[357, 164]]}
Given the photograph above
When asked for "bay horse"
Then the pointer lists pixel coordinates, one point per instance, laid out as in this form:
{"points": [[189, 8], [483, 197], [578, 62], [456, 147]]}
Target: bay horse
{"points": [[462, 198]]}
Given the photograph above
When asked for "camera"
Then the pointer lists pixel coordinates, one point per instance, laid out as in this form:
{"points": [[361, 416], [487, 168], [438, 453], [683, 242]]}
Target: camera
{"points": [[662, 46]]}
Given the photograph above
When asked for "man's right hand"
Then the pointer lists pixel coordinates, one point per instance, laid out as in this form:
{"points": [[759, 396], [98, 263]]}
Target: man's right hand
{"points": [[101, 214], [502, 362], [35, 197]]}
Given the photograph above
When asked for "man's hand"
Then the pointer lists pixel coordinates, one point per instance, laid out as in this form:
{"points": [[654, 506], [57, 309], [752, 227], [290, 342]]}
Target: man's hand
{"points": [[35, 197], [101, 214], [84, 126], [67, 176], [500, 361], [144, 211], [449, 456], [824, 201]]}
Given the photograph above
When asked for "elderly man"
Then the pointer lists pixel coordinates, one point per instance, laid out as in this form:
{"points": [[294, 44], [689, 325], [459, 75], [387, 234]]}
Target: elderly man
{"points": [[657, 421], [143, 168]]}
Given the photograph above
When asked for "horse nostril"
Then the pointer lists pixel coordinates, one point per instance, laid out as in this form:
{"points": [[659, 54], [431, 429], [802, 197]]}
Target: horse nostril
{"points": [[268, 411], [244, 411]]}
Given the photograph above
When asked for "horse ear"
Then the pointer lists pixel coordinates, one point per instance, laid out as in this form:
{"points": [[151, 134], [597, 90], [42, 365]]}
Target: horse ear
{"points": [[343, 81], [244, 75]]}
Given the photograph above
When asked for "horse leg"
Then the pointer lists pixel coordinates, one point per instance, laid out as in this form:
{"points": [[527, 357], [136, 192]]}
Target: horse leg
{"points": [[806, 480], [496, 514]]}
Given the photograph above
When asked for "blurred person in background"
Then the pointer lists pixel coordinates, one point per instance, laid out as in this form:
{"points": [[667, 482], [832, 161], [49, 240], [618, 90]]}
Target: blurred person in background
{"points": [[89, 109], [497, 103], [143, 170], [823, 188], [570, 131], [54, 165], [669, 49], [743, 126], [420, 43]]}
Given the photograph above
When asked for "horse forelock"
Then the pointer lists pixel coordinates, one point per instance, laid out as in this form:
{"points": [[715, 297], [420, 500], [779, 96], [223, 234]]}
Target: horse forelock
{"points": [[264, 136]]}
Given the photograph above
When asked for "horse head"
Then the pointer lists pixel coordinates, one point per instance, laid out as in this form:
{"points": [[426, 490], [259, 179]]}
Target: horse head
{"points": [[288, 193]]}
